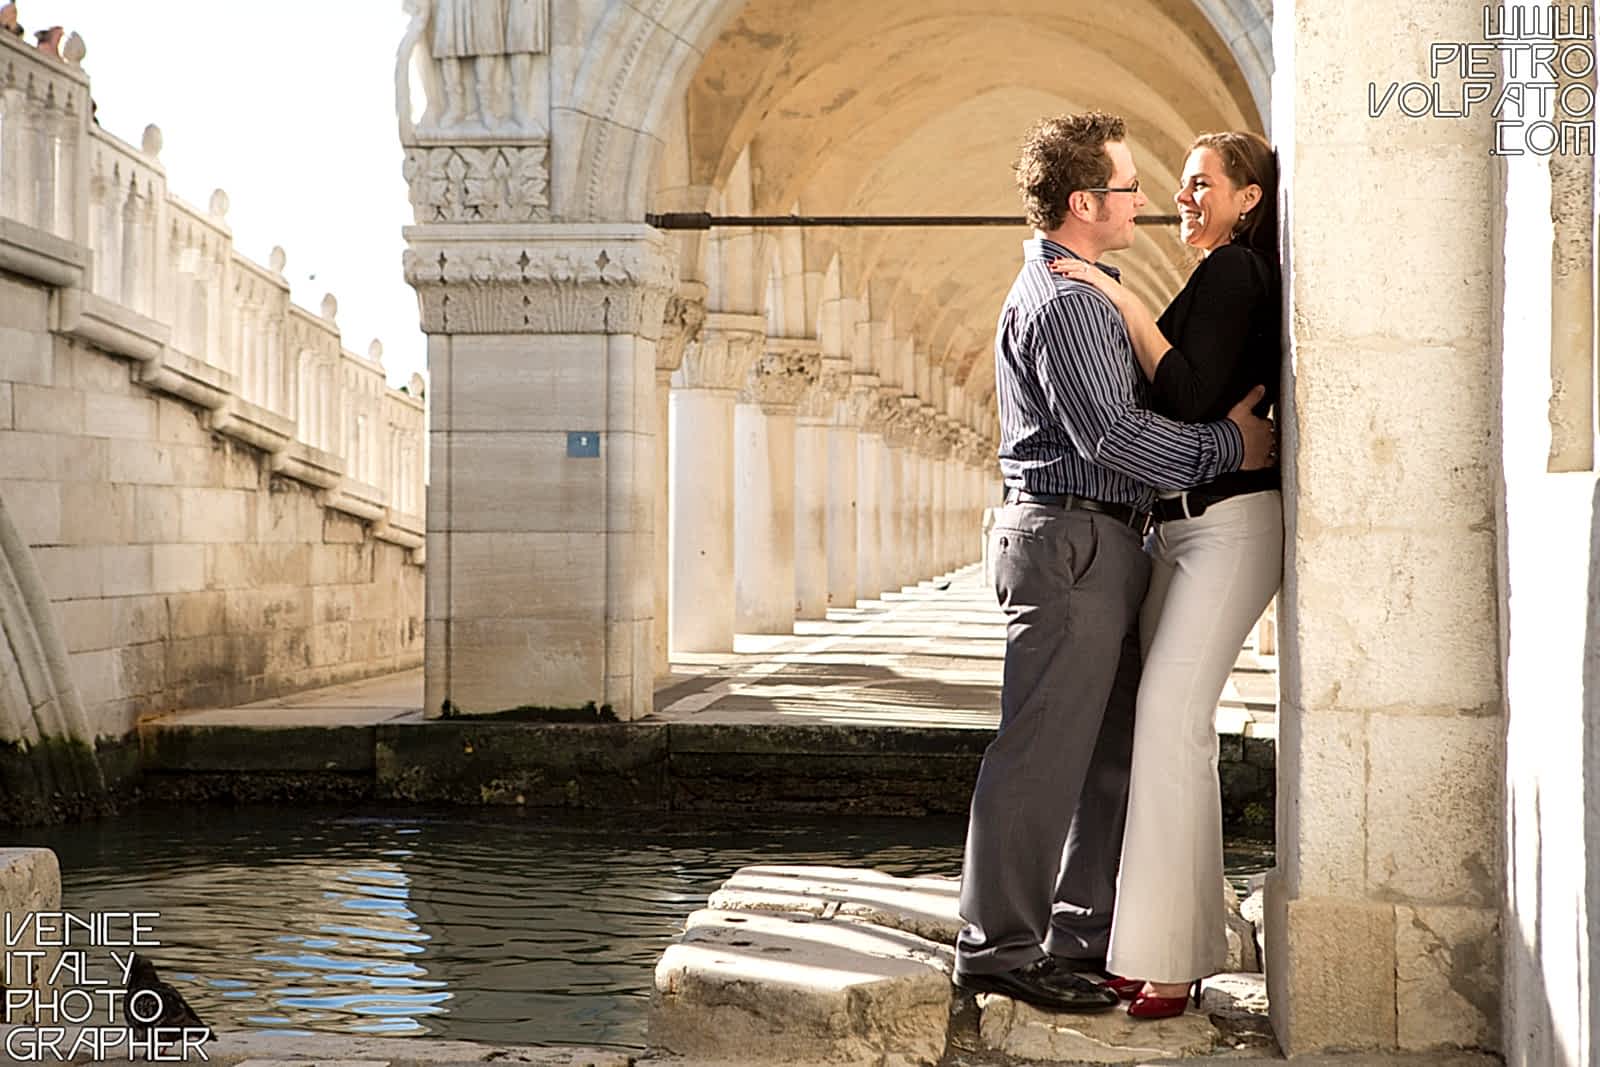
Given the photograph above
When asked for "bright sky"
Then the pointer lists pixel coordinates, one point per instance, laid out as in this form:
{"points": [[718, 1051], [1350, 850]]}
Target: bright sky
{"points": [[287, 105]]}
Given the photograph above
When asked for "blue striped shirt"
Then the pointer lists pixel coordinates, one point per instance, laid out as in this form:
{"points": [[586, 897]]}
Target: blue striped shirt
{"points": [[1074, 414]]}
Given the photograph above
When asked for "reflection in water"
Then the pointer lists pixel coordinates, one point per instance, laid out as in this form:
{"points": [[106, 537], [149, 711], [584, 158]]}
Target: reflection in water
{"points": [[476, 925]]}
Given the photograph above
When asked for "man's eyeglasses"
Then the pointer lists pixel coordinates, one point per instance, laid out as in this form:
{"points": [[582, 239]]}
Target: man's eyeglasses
{"points": [[1134, 188]]}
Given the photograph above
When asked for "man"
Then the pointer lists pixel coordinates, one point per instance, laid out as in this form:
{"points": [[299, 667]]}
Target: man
{"points": [[1081, 457]]}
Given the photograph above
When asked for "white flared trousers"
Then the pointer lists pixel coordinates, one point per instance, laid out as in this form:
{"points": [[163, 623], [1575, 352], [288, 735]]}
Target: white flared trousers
{"points": [[1212, 577]]}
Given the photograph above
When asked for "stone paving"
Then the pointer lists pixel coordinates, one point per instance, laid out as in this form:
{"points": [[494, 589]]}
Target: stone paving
{"points": [[928, 656]]}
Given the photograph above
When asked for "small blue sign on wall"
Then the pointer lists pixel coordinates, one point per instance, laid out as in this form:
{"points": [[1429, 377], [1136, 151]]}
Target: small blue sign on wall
{"points": [[583, 444]]}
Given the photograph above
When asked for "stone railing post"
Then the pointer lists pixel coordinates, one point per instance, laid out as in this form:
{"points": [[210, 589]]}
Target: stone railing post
{"points": [[540, 510]]}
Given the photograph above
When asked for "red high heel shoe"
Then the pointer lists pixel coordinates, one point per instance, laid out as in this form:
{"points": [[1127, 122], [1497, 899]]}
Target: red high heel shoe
{"points": [[1146, 1006]]}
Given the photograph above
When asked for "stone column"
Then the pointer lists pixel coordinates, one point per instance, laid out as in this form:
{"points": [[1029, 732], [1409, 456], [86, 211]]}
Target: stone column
{"points": [[701, 598], [886, 503], [814, 417], [923, 450], [764, 486], [869, 437], [542, 350], [1384, 910], [686, 313], [842, 511]]}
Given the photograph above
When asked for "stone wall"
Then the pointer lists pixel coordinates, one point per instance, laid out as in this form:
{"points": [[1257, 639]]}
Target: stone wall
{"points": [[184, 572]]}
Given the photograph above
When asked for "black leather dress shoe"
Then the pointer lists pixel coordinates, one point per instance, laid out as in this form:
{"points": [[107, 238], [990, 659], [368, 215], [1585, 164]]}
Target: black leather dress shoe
{"points": [[1044, 985]]}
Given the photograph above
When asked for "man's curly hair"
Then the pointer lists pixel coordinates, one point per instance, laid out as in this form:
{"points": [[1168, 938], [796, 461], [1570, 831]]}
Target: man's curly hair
{"points": [[1060, 156]]}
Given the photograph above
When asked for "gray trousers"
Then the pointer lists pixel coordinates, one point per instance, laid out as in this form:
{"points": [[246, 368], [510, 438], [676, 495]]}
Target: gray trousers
{"points": [[1045, 831]]}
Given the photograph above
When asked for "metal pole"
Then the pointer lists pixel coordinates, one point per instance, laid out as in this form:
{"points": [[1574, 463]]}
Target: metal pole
{"points": [[704, 220]]}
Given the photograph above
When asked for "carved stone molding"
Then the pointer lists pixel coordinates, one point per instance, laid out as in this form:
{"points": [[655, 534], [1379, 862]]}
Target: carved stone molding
{"points": [[487, 183], [780, 376], [682, 321], [721, 358], [477, 278]]}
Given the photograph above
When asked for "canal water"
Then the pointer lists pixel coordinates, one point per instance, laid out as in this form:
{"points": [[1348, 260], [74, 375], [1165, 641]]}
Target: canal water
{"points": [[478, 925]]}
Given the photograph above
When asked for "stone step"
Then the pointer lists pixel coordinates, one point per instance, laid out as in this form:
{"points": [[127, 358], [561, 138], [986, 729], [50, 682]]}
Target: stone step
{"points": [[924, 906], [1023, 1032], [763, 987], [802, 964]]}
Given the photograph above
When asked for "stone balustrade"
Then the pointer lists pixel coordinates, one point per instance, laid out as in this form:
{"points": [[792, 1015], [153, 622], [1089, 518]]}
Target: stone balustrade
{"points": [[145, 276]]}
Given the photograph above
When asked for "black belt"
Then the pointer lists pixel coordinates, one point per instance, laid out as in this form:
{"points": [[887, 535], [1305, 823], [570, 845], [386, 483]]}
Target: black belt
{"points": [[1140, 521], [1192, 504]]}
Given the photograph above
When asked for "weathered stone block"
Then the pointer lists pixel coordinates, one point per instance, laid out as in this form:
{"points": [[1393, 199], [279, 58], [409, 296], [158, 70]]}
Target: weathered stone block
{"points": [[216, 516], [330, 644], [180, 424], [1027, 1033], [491, 489], [30, 881], [256, 565], [70, 572], [280, 607], [136, 620], [85, 625], [332, 603], [1330, 972], [753, 987], [92, 370], [346, 749], [1328, 800], [1353, 418], [25, 355], [507, 662], [1448, 981], [97, 513], [120, 416], [340, 529], [178, 568], [141, 669], [1432, 779], [564, 765], [47, 409], [926, 907], [129, 570], [43, 456], [95, 674], [551, 575], [5, 406], [197, 614], [145, 463], [35, 508], [529, 382], [1398, 622]]}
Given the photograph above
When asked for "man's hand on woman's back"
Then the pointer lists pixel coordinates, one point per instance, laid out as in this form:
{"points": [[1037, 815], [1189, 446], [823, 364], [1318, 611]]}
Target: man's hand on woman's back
{"points": [[1260, 439]]}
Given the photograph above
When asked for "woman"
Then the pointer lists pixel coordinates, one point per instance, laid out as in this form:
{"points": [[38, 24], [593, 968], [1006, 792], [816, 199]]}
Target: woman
{"points": [[1217, 561]]}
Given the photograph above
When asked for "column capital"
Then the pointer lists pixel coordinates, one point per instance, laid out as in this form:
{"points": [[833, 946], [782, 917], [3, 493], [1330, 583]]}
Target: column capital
{"points": [[820, 404], [782, 374], [682, 320], [508, 278], [858, 401], [728, 346]]}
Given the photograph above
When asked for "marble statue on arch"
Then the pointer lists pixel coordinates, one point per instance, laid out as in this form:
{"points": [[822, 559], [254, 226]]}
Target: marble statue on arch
{"points": [[479, 66]]}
